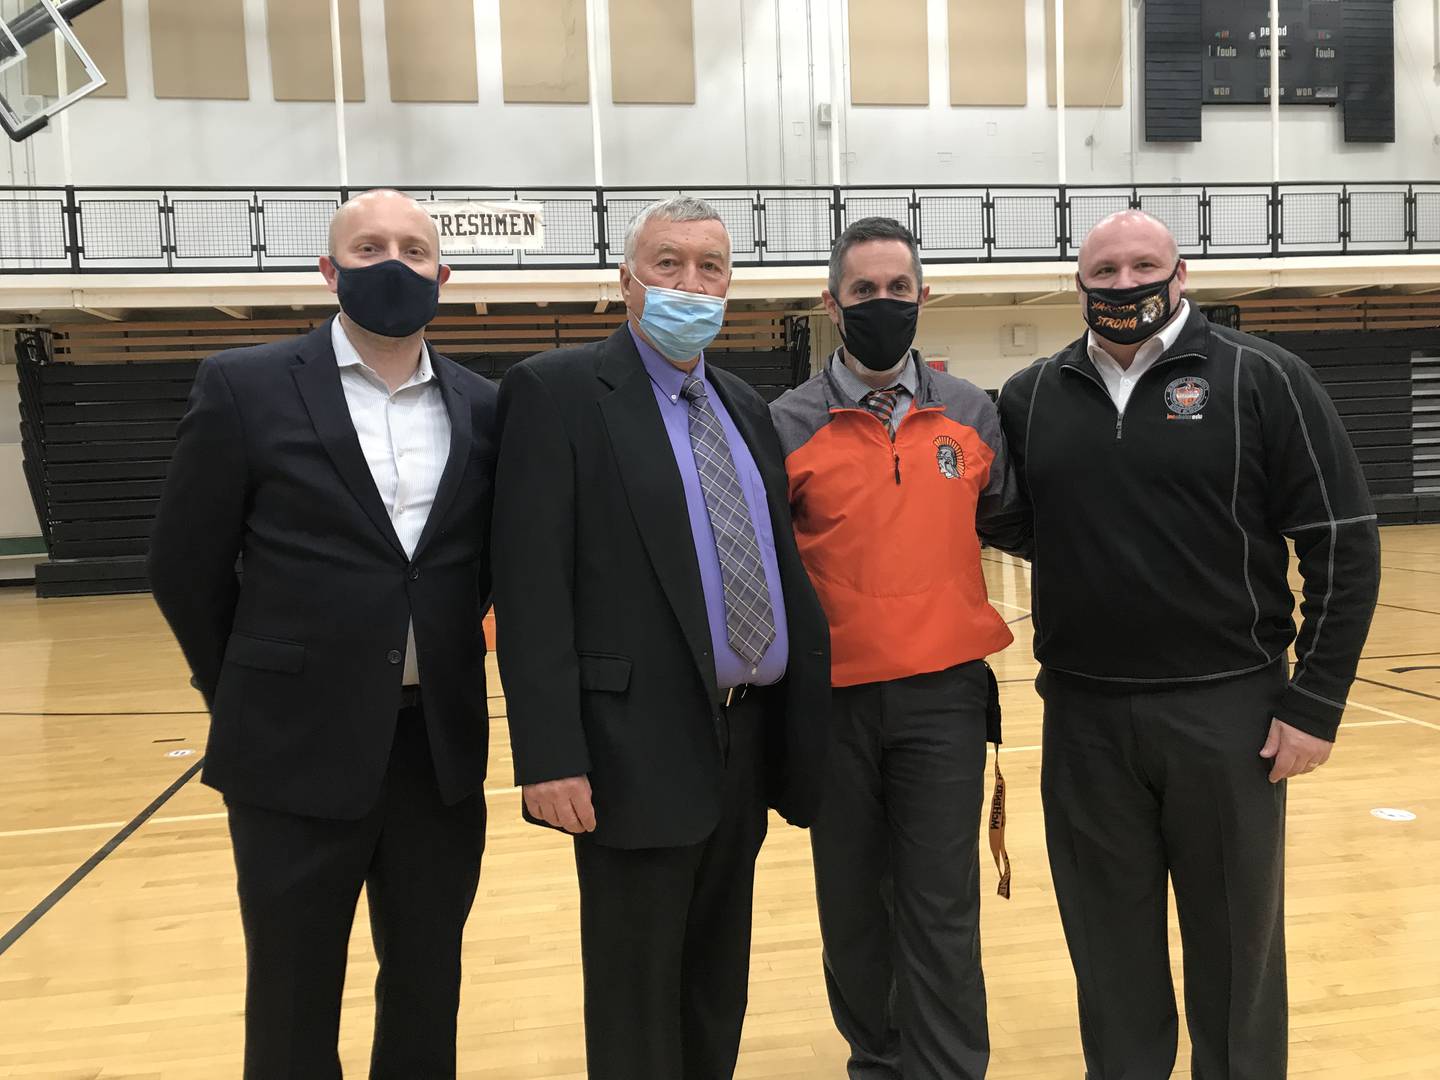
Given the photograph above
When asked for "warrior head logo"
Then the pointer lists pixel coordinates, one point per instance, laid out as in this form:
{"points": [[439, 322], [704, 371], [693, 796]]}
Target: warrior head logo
{"points": [[1151, 308], [949, 457]]}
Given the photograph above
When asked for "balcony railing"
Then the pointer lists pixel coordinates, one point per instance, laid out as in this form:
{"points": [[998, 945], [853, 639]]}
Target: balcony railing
{"points": [[207, 229]]}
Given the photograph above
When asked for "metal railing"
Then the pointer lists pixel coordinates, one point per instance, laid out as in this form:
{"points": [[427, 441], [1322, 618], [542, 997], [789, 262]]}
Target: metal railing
{"points": [[180, 229]]}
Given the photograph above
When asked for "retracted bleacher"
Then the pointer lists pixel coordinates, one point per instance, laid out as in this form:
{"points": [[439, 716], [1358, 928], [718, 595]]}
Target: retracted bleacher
{"points": [[1375, 356], [100, 405]]}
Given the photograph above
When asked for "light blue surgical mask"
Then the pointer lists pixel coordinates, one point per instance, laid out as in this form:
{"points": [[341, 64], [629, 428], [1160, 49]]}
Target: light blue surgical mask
{"points": [[680, 324]]}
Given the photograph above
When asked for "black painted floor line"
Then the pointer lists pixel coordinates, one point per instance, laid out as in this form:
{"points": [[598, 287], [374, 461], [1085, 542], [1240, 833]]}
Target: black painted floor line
{"points": [[81, 872]]}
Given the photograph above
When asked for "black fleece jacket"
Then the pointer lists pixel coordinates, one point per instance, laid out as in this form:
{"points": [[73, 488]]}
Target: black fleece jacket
{"points": [[1160, 554]]}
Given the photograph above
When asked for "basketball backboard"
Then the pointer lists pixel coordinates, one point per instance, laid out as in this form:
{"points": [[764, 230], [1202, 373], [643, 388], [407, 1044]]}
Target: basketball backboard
{"points": [[43, 66]]}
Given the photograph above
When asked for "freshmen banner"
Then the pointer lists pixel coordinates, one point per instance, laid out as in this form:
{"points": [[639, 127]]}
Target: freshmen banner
{"points": [[468, 228]]}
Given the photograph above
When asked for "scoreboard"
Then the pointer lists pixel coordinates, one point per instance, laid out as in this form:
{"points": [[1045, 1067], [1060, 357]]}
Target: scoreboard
{"points": [[1237, 41]]}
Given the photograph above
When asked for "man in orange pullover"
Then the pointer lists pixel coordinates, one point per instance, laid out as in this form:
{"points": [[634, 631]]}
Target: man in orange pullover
{"points": [[896, 473]]}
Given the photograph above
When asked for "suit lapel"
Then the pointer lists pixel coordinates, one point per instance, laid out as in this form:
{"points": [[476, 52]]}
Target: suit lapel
{"points": [[318, 378], [458, 406], [653, 488]]}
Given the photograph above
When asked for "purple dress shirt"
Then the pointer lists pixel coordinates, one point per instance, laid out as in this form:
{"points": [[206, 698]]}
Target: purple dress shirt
{"points": [[666, 380]]}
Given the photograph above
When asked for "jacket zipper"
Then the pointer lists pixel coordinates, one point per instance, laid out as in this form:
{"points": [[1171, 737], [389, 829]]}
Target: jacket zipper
{"points": [[915, 407], [895, 454], [1119, 413], [894, 438]]}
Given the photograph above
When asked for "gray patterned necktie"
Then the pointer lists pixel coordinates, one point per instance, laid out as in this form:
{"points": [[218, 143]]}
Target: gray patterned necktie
{"points": [[749, 620]]}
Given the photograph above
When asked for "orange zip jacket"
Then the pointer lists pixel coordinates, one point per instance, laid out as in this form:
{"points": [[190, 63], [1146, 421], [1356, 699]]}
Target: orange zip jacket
{"points": [[890, 531]]}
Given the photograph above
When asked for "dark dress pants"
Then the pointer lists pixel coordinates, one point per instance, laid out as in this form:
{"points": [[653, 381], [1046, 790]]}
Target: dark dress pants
{"points": [[299, 880], [897, 874], [1138, 787], [665, 933]]}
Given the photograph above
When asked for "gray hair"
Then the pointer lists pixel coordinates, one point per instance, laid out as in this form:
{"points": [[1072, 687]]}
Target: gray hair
{"points": [[675, 208], [864, 231]]}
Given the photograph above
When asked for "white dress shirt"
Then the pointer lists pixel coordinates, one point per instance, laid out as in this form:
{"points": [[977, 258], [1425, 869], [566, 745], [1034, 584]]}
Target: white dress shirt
{"points": [[1121, 381], [405, 437]]}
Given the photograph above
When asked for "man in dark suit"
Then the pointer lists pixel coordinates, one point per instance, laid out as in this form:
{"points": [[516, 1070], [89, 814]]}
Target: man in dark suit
{"points": [[666, 662], [350, 473]]}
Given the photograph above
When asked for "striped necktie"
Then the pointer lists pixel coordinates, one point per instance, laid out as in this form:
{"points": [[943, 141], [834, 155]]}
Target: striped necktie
{"points": [[749, 620], [882, 403]]}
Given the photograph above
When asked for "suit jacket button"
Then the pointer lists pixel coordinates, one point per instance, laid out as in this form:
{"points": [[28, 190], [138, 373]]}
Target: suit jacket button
{"points": [[414, 573], [394, 656]]}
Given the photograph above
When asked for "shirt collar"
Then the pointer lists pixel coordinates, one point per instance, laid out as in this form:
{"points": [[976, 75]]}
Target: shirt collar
{"points": [[346, 356], [855, 388], [662, 372], [1156, 346]]}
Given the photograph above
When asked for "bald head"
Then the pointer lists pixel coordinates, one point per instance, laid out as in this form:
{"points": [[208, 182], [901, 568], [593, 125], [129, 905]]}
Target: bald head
{"points": [[1126, 237], [384, 219]]}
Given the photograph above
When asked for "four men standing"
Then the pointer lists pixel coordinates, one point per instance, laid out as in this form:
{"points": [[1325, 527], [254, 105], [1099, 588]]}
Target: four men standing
{"points": [[668, 663]]}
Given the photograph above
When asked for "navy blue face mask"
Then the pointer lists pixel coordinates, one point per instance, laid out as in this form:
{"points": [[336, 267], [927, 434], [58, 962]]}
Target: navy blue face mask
{"points": [[387, 298]]}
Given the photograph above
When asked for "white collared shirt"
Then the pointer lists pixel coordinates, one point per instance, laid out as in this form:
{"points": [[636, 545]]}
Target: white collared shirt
{"points": [[1121, 381], [405, 437]]}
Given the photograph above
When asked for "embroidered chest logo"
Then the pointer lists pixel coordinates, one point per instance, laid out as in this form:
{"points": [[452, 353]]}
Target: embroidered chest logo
{"points": [[1185, 397], [949, 457]]}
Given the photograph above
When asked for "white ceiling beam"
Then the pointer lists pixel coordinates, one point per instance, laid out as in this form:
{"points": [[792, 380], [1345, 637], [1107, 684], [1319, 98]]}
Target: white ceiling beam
{"points": [[1239, 295], [954, 284]]}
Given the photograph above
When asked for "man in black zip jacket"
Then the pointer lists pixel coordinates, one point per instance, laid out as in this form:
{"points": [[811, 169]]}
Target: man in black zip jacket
{"points": [[1168, 460]]}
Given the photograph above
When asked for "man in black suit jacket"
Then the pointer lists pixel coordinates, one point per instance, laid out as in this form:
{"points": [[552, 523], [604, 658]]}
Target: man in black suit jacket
{"points": [[636, 721], [350, 472]]}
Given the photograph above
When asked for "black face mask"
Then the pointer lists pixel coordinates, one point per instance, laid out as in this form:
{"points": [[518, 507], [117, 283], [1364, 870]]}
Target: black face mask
{"points": [[387, 298], [1129, 316], [878, 332]]}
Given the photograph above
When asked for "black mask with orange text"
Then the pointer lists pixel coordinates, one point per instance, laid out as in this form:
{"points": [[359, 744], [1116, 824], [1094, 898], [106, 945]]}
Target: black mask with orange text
{"points": [[1129, 316]]}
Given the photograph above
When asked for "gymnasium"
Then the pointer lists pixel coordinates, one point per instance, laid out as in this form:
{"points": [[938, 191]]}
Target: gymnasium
{"points": [[171, 174]]}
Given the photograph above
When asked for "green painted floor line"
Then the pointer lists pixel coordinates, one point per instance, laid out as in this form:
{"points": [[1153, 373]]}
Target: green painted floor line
{"points": [[22, 545]]}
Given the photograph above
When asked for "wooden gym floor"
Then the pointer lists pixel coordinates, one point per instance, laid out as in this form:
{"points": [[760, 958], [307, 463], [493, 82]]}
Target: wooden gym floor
{"points": [[137, 970]]}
